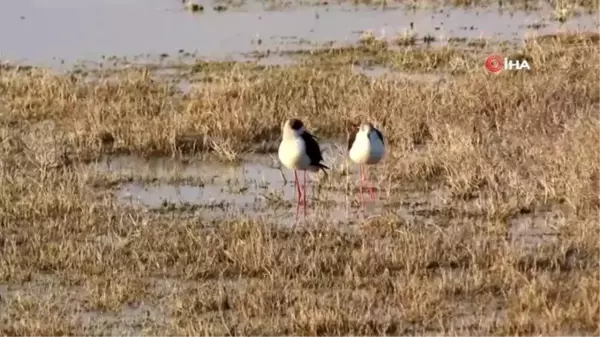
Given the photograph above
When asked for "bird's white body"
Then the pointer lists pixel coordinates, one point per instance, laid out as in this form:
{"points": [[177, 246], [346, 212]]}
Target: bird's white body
{"points": [[292, 151], [367, 148]]}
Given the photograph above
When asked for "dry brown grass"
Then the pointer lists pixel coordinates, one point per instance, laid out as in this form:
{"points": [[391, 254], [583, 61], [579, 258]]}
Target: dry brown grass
{"points": [[528, 5], [73, 260]]}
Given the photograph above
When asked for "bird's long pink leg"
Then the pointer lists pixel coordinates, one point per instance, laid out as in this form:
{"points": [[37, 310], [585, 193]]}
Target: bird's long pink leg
{"points": [[298, 187], [304, 193], [360, 184], [299, 193], [295, 186], [370, 187]]}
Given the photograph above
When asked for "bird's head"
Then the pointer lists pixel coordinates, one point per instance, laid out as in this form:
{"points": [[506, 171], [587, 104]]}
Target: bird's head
{"points": [[366, 127], [293, 125]]}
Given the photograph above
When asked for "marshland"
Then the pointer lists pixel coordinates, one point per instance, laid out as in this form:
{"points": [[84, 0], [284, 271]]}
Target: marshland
{"points": [[140, 190]]}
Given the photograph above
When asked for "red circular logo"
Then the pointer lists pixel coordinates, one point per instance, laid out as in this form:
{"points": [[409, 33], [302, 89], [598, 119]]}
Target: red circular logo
{"points": [[494, 63]]}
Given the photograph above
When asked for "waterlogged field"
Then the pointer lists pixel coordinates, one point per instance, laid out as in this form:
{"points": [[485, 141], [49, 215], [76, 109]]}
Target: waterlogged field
{"points": [[142, 195]]}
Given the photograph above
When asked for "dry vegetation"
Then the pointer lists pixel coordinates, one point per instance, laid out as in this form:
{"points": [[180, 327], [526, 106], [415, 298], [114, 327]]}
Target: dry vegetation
{"points": [[504, 147], [565, 5]]}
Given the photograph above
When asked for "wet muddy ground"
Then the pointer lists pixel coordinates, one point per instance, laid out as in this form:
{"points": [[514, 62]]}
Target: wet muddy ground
{"points": [[256, 189], [259, 188]]}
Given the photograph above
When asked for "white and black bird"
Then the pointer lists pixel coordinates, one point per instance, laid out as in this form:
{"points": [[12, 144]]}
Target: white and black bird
{"points": [[299, 150], [366, 147]]}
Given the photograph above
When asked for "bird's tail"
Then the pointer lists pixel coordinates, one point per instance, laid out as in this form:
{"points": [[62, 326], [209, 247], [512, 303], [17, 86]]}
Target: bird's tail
{"points": [[323, 168]]}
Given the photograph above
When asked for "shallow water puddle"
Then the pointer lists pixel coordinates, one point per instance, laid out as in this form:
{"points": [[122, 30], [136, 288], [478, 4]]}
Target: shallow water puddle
{"points": [[40, 32], [532, 230], [46, 290], [212, 202], [255, 188]]}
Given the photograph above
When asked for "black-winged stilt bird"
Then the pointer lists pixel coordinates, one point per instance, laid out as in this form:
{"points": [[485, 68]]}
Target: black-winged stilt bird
{"points": [[299, 150], [366, 147]]}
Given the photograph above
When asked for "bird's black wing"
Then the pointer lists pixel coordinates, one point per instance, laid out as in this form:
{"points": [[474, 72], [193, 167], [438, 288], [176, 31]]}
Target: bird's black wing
{"points": [[352, 138], [380, 135], [312, 149]]}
